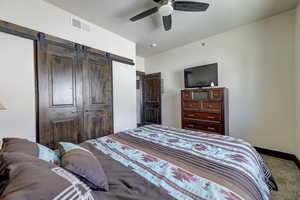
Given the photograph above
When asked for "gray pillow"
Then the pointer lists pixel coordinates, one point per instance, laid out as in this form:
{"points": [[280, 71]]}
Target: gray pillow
{"points": [[19, 145], [31, 178], [30, 148], [84, 165]]}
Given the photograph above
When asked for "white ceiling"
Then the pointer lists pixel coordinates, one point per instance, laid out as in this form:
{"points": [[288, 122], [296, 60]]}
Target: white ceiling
{"points": [[221, 16]]}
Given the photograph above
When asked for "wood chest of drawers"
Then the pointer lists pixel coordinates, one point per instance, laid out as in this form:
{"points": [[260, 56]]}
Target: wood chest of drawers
{"points": [[205, 110]]}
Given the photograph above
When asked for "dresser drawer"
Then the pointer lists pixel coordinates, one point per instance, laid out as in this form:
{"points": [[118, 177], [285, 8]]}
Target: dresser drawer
{"points": [[203, 126], [202, 116], [215, 107], [187, 95], [192, 104], [217, 95]]}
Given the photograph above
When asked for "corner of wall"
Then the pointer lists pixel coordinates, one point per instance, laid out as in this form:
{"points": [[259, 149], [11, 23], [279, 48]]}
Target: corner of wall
{"points": [[140, 64]]}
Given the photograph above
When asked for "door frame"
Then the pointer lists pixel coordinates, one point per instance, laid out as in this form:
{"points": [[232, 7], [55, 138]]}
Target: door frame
{"points": [[160, 97], [141, 83]]}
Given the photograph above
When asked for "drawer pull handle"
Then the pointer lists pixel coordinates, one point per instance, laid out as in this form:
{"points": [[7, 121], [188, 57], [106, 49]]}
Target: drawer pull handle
{"points": [[211, 117], [190, 125], [191, 115], [210, 128]]}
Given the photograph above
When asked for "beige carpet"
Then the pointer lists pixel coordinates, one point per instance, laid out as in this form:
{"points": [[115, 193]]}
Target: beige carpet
{"points": [[287, 176]]}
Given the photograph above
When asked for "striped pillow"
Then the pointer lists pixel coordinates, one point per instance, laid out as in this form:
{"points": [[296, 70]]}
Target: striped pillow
{"points": [[25, 180]]}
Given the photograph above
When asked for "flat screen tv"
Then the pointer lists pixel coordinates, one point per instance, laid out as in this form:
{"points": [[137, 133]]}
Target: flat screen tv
{"points": [[201, 76]]}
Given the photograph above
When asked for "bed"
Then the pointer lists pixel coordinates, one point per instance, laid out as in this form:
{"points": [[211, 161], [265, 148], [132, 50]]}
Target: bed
{"points": [[159, 162], [148, 163]]}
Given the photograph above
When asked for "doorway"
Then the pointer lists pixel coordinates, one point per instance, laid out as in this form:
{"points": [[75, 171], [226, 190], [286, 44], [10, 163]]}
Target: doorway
{"points": [[139, 97], [148, 89]]}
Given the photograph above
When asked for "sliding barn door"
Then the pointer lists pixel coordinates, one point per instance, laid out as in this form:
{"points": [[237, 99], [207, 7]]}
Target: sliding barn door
{"points": [[60, 88], [97, 97], [152, 99]]}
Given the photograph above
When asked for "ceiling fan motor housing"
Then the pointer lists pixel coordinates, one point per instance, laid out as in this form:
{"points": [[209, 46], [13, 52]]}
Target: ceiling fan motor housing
{"points": [[166, 9]]}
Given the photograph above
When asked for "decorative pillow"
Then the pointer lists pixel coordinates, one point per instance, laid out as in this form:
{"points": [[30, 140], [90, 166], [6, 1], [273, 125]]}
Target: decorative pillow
{"points": [[30, 148], [84, 165], [37, 179], [20, 145]]}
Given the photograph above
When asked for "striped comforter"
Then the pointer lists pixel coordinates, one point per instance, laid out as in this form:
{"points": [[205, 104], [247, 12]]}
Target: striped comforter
{"points": [[191, 165]]}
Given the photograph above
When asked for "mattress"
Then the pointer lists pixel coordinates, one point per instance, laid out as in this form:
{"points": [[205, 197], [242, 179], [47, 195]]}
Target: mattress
{"points": [[159, 162]]}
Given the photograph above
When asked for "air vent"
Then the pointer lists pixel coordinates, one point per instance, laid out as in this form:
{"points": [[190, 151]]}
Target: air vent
{"points": [[77, 23]]}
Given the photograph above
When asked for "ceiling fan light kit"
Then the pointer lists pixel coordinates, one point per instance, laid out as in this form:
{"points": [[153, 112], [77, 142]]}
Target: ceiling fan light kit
{"points": [[167, 8]]}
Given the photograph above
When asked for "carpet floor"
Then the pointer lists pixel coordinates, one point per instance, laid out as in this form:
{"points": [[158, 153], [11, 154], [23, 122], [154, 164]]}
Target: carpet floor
{"points": [[287, 177]]}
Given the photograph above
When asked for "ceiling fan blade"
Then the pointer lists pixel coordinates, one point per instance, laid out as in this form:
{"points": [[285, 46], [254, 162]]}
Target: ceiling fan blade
{"points": [[167, 20], [190, 6], [144, 14]]}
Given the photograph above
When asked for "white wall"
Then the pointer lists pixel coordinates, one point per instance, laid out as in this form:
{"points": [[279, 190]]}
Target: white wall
{"points": [[140, 64], [124, 95], [297, 77], [41, 16], [17, 87], [256, 64]]}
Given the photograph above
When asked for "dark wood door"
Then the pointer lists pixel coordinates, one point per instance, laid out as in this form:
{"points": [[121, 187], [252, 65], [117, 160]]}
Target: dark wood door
{"points": [[60, 88], [97, 98], [152, 99]]}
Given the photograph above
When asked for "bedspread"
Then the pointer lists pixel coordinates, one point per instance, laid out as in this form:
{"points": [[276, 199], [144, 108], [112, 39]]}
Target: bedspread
{"points": [[186, 165]]}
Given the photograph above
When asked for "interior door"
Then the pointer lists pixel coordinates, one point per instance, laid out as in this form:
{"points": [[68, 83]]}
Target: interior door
{"points": [[60, 103], [152, 99], [97, 98]]}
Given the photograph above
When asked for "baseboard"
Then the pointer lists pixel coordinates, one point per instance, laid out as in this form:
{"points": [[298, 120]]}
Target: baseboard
{"points": [[278, 154]]}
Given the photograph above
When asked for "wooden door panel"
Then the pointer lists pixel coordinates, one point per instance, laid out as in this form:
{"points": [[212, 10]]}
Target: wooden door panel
{"points": [[63, 130], [152, 95], [75, 93], [151, 115], [96, 124], [152, 98], [97, 98], [99, 82], [62, 81]]}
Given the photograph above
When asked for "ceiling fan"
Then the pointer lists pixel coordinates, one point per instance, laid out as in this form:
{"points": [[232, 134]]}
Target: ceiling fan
{"points": [[167, 8]]}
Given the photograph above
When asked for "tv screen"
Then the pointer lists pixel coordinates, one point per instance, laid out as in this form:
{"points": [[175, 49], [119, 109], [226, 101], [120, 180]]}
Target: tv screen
{"points": [[201, 76]]}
